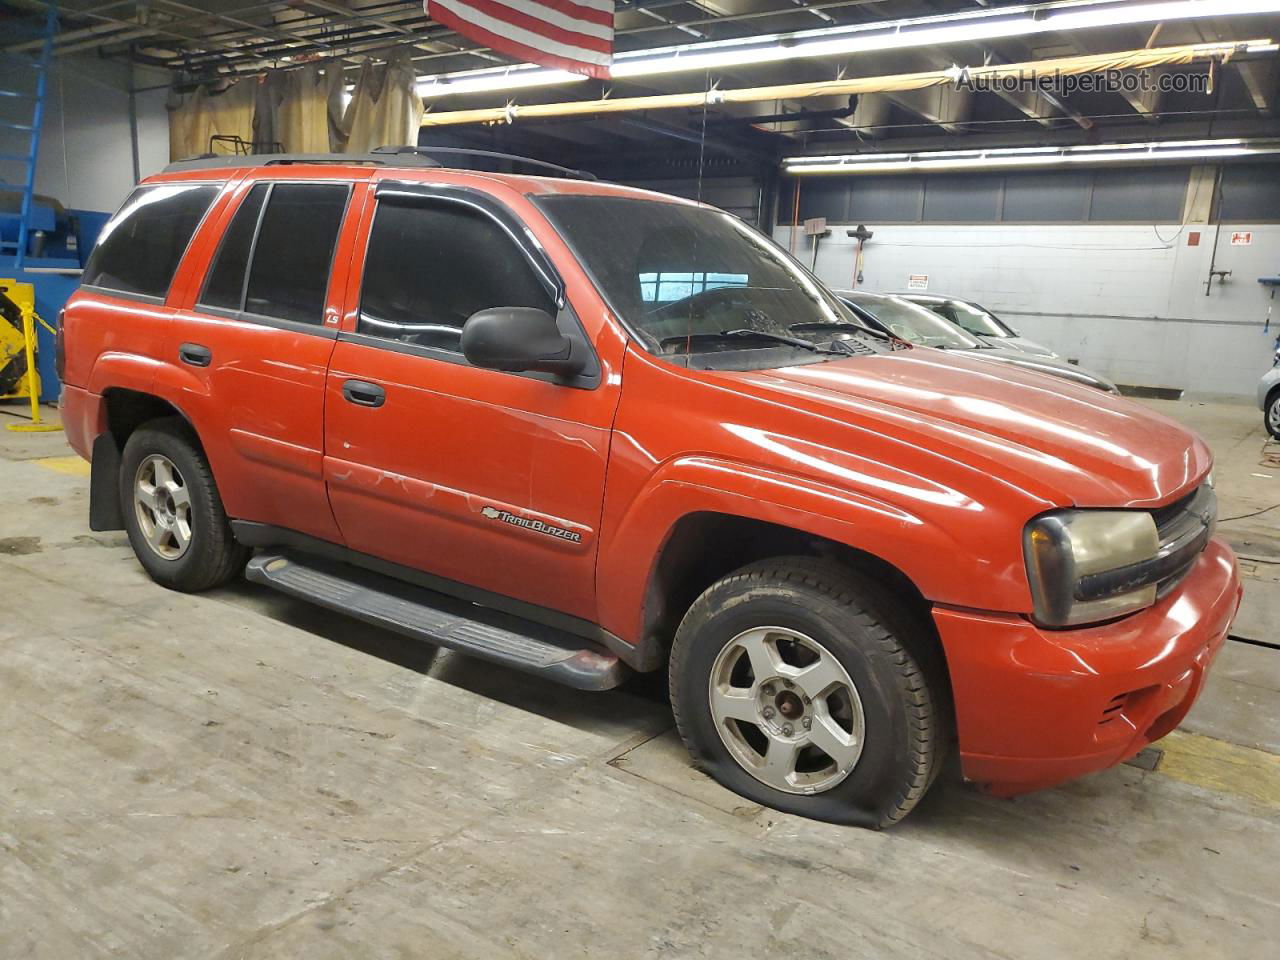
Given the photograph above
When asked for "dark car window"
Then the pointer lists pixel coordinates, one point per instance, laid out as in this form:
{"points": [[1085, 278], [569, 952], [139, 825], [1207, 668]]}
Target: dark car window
{"points": [[432, 265], [225, 286], [294, 250], [139, 250]]}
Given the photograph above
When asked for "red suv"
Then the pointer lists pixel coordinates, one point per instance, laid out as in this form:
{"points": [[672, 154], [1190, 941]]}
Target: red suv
{"points": [[582, 429]]}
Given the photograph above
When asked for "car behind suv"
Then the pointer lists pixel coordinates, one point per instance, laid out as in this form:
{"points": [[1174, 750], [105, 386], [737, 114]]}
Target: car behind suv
{"points": [[584, 430]]}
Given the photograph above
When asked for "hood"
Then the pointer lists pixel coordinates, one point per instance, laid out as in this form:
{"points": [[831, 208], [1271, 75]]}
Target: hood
{"points": [[1021, 344], [1069, 444], [1050, 365]]}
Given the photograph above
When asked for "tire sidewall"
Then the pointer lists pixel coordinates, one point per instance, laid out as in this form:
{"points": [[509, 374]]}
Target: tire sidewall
{"points": [[191, 566], [1273, 403], [885, 757]]}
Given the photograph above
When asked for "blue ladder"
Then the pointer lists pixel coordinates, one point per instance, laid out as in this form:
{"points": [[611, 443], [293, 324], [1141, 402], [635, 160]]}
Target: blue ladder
{"points": [[27, 187]]}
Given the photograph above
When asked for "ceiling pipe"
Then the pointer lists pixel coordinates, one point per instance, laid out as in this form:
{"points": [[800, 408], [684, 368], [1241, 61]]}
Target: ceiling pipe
{"points": [[1123, 60]]}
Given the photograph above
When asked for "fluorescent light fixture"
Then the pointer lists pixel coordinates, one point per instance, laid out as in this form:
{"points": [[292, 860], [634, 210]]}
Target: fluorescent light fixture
{"points": [[1004, 157], [980, 24], [490, 79]]}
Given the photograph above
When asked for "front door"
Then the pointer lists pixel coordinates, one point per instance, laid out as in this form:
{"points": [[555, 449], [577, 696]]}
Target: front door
{"points": [[255, 346], [494, 480]]}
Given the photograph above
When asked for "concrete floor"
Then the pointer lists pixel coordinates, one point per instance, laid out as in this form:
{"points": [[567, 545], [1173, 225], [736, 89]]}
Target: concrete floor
{"points": [[238, 775]]}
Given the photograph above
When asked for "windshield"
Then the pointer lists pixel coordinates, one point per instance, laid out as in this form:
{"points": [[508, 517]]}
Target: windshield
{"points": [[701, 287], [976, 320], [914, 323]]}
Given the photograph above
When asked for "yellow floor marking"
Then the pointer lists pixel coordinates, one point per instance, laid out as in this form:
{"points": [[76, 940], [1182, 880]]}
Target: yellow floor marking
{"points": [[1222, 766], [69, 465]]}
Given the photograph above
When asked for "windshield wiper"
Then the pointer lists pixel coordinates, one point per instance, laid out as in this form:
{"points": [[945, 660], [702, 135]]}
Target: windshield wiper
{"points": [[893, 338], [743, 333]]}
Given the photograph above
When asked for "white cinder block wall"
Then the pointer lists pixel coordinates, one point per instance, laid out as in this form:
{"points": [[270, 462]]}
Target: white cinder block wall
{"points": [[1125, 300], [86, 150]]}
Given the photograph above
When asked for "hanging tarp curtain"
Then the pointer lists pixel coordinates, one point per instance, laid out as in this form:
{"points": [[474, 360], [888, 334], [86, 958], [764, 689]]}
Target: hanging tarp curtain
{"points": [[385, 107], [300, 110], [1063, 66]]}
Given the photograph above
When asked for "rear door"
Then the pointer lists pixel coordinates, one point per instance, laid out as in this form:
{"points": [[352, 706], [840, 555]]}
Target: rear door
{"points": [[494, 480], [255, 345]]}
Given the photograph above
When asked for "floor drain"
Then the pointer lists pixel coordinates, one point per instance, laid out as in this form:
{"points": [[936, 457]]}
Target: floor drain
{"points": [[1148, 759]]}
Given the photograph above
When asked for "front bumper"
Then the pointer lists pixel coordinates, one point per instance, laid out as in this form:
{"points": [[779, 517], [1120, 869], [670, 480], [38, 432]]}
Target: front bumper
{"points": [[1036, 707]]}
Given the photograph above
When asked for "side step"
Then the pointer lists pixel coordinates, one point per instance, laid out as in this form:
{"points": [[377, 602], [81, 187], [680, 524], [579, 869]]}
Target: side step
{"points": [[444, 621]]}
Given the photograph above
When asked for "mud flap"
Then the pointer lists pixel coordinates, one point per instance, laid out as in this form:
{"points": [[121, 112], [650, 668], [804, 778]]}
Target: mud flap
{"points": [[104, 485]]}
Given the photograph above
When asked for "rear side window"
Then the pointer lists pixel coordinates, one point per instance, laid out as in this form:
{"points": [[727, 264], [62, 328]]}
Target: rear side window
{"points": [[430, 266], [294, 250], [225, 286], [139, 250]]}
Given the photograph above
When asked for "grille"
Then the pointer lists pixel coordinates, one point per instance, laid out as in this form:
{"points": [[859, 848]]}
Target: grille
{"points": [[1184, 528]]}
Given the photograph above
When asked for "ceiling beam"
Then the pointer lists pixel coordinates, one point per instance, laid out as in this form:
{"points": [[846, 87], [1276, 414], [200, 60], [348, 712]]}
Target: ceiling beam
{"points": [[1259, 78]]}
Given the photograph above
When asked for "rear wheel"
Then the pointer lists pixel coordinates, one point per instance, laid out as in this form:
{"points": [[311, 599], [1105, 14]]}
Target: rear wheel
{"points": [[172, 511], [795, 686]]}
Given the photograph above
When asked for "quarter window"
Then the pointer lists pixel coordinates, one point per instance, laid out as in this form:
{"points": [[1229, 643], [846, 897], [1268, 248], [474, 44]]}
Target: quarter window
{"points": [[432, 265], [225, 286], [139, 250]]}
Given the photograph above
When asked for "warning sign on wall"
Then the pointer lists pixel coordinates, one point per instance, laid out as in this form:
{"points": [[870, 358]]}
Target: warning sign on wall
{"points": [[918, 281], [1241, 238]]}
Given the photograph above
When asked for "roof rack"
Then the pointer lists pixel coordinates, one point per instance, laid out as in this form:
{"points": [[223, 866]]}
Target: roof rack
{"points": [[388, 156], [214, 161], [426, 152]]}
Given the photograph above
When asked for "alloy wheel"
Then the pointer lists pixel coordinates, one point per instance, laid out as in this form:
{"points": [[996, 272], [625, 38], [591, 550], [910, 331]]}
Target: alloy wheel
{"points": [[163, 505], [786, 710]]}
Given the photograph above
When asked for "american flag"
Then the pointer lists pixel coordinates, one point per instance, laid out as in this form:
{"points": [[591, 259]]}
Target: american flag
{"points": [[575, 35]]}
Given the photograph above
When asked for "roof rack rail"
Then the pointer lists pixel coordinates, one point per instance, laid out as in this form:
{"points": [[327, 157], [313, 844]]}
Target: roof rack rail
{"points": [[426, 152], [214, 161]]}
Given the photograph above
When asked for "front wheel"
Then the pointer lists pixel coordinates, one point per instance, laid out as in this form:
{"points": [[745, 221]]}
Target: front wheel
{"points": [[1272, 414], [172, 511], [795, 688]]}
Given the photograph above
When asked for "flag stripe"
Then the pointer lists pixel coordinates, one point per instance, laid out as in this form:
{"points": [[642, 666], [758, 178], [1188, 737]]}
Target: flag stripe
{"points": [[601, 15], [539, 55], [574, 35], [468, 18], [528, 16]]}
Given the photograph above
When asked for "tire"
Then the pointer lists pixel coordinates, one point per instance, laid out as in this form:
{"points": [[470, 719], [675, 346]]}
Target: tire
{"points": [[788, 607], [190, 556], [1271, 414]]}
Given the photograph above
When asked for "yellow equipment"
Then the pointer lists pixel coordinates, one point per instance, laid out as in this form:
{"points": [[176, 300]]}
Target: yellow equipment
{"points": [[18, 374]]}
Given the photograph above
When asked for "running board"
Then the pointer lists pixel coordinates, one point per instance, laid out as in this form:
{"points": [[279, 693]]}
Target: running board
{"points": [[437, 619]]}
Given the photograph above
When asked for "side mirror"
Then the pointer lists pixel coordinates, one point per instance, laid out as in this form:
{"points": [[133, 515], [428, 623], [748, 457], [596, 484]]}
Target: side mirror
{"points": [[518, 339]]}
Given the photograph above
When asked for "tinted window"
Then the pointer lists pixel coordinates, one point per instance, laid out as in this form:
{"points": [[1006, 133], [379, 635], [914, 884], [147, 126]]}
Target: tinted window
{"points": [[431, 266], [294, 249], [139, 249], [225, 286]]}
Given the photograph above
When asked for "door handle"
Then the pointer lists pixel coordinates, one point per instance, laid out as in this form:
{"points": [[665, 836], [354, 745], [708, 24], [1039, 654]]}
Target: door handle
{"points": [[364, 394], [195, 354]]}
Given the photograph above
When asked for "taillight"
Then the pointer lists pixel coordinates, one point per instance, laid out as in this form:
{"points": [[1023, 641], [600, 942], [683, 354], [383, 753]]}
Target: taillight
{"points": [[59, 348]]}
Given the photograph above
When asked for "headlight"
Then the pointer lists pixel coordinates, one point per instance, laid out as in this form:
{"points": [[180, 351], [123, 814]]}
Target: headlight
{"points": [[1083, 564]]}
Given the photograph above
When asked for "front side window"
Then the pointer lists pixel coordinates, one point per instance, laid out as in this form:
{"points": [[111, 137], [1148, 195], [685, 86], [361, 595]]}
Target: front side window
{"points": [[431, 264], [139, 250], [700, 287]]}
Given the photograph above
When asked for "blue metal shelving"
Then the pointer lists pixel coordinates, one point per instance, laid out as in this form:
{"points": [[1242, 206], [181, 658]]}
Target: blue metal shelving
{"points": [[40, 72]]}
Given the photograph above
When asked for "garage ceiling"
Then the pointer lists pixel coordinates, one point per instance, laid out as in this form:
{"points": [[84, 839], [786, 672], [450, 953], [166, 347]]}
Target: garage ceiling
{"points": [[205, 40]]}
